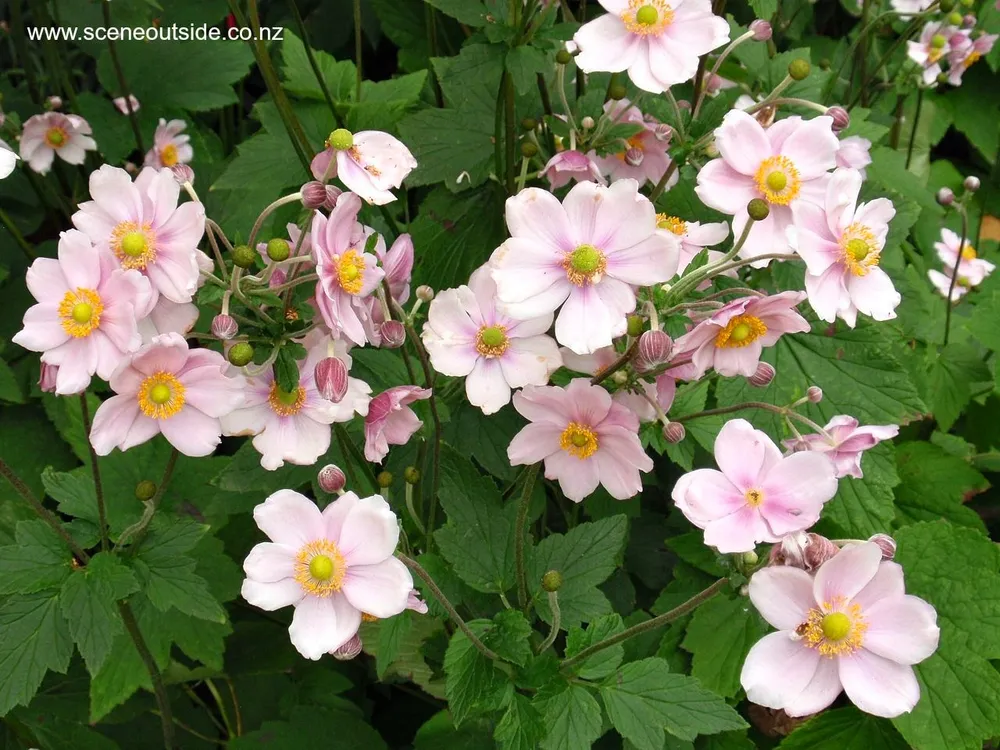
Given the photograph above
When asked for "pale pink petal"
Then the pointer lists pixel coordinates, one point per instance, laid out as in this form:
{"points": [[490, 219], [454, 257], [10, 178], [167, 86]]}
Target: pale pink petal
{"points": [[795, 490], [848, 573], [381, 589], [901, 628], [812, 147], [705, 495], [612, 218], [486, 386], [742, 142], [605, 45], [577, 477], [874, 294], [783, 595], [270, 596], [738, 532], [827, 293], [585, 324], [323, 624], [821, 691], [370, 532], [723, 188], [336, 512], [537, 215], [530, 361], [778, 669], [652, 261], [534, 442], [192, 432], [112, 422], [878, 686], [524, 267], [743, 453], [290, 519], [269, 562], [42, 329]]}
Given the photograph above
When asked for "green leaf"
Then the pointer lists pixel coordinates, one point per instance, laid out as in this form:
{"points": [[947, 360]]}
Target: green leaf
{"points": [[585, 556], [10, 389], [484, 438], [573, 718], [603, 662], [764, 8], [312, 726], [977, 112], [474, 684], [958, 571], [644, 698], [391, 633], [286, 371], [38, 561], [510, 636], [952, 372], [340, 76], [75, 493], [170, 581], [451, 146], [470, 12], [478, 539], [935, 484], [863, 507], [524, 63], [844, 729], [521, 727], [33, 640], [89, 603], [719, 636], [983, 322], [888, 168]]}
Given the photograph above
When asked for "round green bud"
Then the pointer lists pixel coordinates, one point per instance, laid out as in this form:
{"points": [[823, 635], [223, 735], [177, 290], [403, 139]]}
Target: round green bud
{"points": [[938, 41], [799, 69], [750, 558], [528, 149], [946, 6], [341, 139], [243, 256], [955, 18], [758, 209], [529, 123], [635, 325], [942, 78], [563, 57], [145, 490], [384, 479], [241, 354], [617, 91], [824, 64], [552, 581], [411, 474], [278, 249], [968, 3]]}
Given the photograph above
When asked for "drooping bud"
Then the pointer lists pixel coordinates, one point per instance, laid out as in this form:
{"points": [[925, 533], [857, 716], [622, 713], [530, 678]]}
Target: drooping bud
{"points": [[617, 91], [552, 581], [655, 348], [183, 174], [663, 132], [971, 183], [384, 479], [313, 195], [349, 650], [757, 209], [243, 256], [424, 293], [885, 543], [331, 379], [47, 378], [968, 21], [241, 354], [340, 139], [587, 122], [763, 376], [224, 327], [331, 479], [278, 249], [841, 118], [563, 57], [528, 149], [332, 195], [393, 334], [145, 490], [633, 157], [799, 69], [411, 475], [814, 393], [635, 325], [674, 432], [53, 102], [802, 550], [945, 196], [761, 30]]}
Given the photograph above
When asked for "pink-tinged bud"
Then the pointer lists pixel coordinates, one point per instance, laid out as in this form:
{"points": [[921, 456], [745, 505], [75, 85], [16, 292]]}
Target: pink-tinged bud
{"points": [[393, 334], [885, 543], [763, 376], [802, 550], [332, 195], [663, 132], [349, 650], [761, 30], [841, 118], [278, 277], [425, 293], [684, 104], [587, 122], [674, 432], [331, 479], [655, 348], [633, 157], [971, 183], [183, 173], [53, 102], [224, 327], [331, 379], [968, 21], [313, 195], [47, 378], [814, 394], [945, 196]]}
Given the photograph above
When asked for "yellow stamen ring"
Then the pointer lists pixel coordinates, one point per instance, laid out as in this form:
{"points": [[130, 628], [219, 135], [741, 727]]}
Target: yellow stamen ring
{"points": [[284, 403], [492, 341], [647, 17], [834, 629], [778, 181], [161, 395], [578, 440], [742, 330], [80, 311], [133, 244], [320, 568], [350, 272]]}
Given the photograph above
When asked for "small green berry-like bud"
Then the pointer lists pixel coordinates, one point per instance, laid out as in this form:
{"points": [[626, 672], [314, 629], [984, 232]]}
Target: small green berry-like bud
{"points": [[411, 474], [384, 479], [243, 256], [617, 91], [145, 490], [758, 209], [946, 6], [938, 41], [529, 123], [750, 558], [824, 64], [799, 69], [552, 581], [620, 378], [635, 325], [563, 57], [955, 18], [968, 3], [341, 139], [241, 354], [528, 149], [278, 249]]}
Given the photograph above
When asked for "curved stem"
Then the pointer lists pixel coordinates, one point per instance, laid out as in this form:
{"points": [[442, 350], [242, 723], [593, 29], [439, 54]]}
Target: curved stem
{"points": [[556, 618], [656, 622], [617, 364], [730, 409], [954, 273], [449, 608], [102, 514], [309, 277], [139, 532], [702, 90], [746, 262], [159, 690], [267, 212], [357, 47], [519, 532], [691, 280], [662, 184]]}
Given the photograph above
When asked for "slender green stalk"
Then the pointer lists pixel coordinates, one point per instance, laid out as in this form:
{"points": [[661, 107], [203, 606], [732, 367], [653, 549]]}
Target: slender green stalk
{"points": [[22, 243], [910, 30], [138, 533], [102, 513], [519, 533], [618, 364], [510, 132], [346, 443], [343, 440], [120, 75], [159, 689], [19, 37], [691, 280], [913, 128], [954, 273], [662, 184], [357, 47], [556, 622], [300, 26]]}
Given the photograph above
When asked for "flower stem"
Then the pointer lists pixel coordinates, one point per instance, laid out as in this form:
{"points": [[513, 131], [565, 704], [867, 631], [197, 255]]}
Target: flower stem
{"points": [[691, 280], [301, 28], [346, 443], [159, 690], [510, 134], [519, 534], [913, 128], [449, 608], [102, 514], [657, 622], [268, 210], [357, 46], [22, 243], [662, 184], [954, 272], [556, 618], [122, 83], [700, 99], [617, 364], [138, 532]]}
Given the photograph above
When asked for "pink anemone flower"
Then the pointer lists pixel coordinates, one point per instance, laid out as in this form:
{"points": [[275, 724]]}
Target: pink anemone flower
{"points": [[972, 268], [637, 403], [695, 237], [965, 52], [851, 628], [391, 421], [844, 443], [759, 495], [466, 336], [585, 255], [783, 165], [645, 158], [584, 438], [944, 286], [657, 42], [85, 322], [571, 165], [841, 244], [123, 104], [370, 163], [170, 146], [167, 388], [732, 339], [53, 133], [930, 50], [142, 226], [333, 566]]}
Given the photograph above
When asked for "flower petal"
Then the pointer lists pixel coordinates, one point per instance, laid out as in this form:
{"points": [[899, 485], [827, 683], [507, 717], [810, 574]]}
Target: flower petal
{"points": [[273, 595], [783, 595], [370, 532], [876, 685], [270, 563], [778, 669], [323, 624], [290, 519], [380, 590], [848, 573], [902, 628]]}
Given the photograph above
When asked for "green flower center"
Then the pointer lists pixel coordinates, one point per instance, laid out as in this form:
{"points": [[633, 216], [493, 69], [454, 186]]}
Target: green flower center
{"points": [[341, 139], [134, 244], [159, 394], [82, 312], [858, 249], [585, 259], [578, 439], [740, 332], [493, 336], [287, 397], [647, 15], [777, 181], [836, 626], [321, 568]]}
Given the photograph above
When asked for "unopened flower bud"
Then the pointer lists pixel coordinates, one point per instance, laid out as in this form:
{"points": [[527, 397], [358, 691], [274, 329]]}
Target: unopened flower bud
{"points": [[393, 334], [278, 249], [183, 174], [971, 183], [528, 149], [663, 132], [313, 195], [349, 650], [131, 168], [634, 325], [945, 196], [53, 102], [761, 30], [332, 196], [750, 558], [757, 209], [47, 378], [802, 550], [968, 21], [529, 123], [145, 490], [563, 57], [763, 376], [241, 354], [938, 41], [331, 479], [587, 122], [841, 118], [243, 256], [424, 293], [946, 6], [684, 104], [967, 3], [955, 18], [617, 91], [799, 69], [674, 432], [711, 149], [655, 348], [814, 394], [224, 327], [411, 475], [331, 379], [633, 157], [340, 139], [619, 377], [552, 581], [942, 78], [885, 543], [384, 479]]}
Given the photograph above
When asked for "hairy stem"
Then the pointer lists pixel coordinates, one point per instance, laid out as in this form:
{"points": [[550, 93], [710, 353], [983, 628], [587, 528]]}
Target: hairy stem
{"points": [[102, 513], [556, 618], [618, 364], [519, 533], [954, 273], [159, 690]]}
